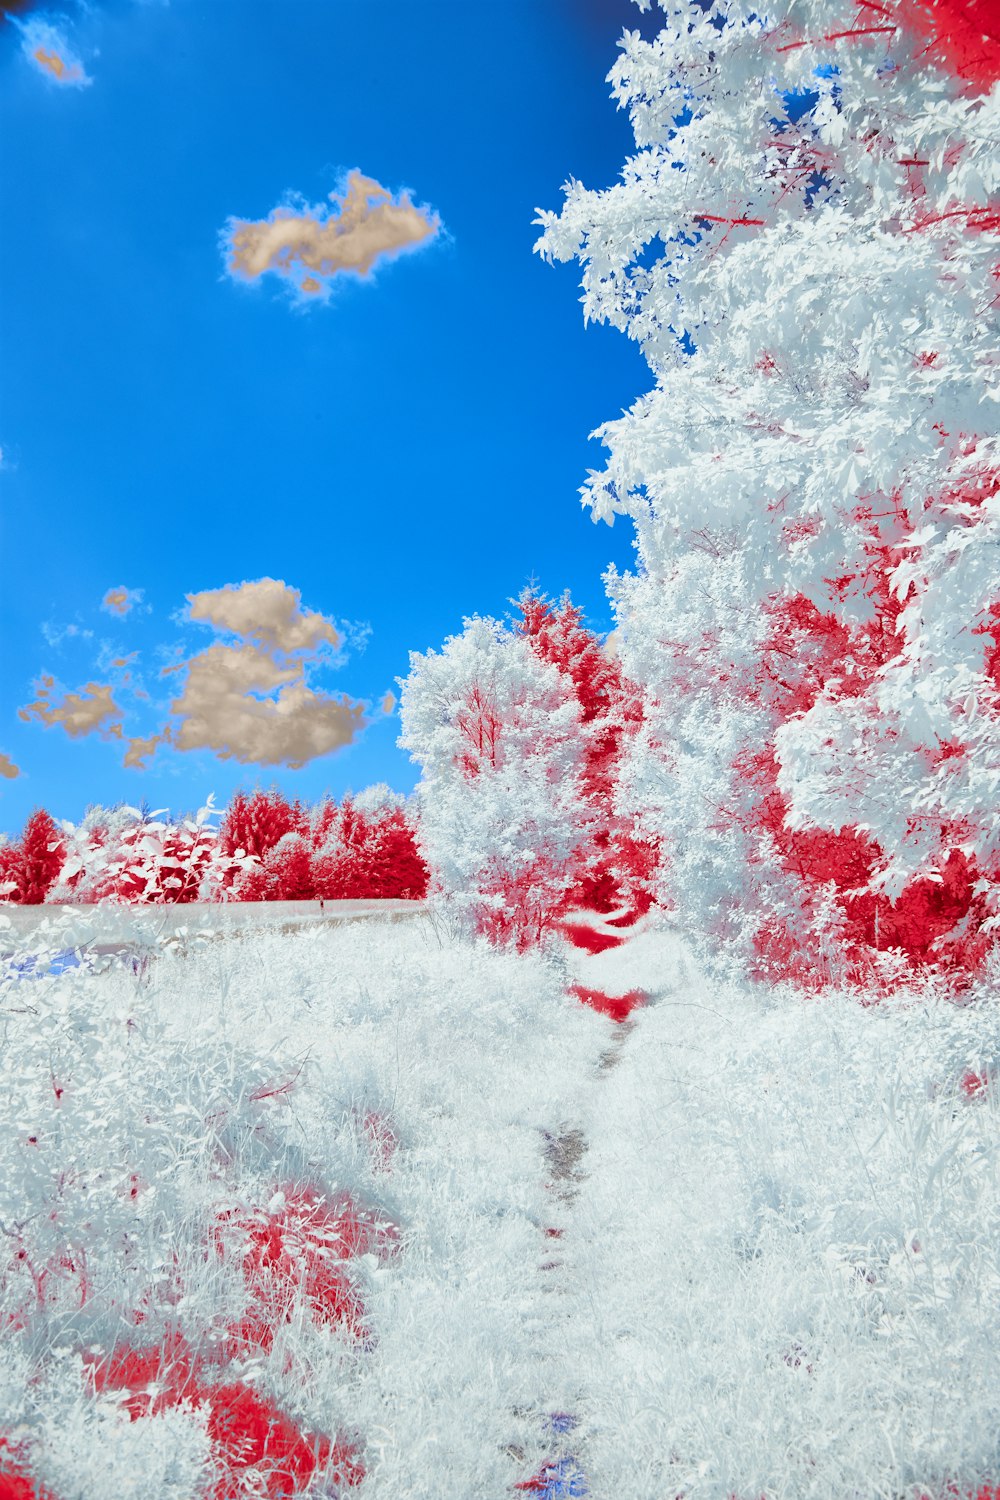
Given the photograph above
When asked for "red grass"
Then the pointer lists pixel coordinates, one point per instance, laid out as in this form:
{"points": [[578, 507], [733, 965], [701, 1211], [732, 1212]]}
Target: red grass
{"points": [[17, 1486], [297, 1253], [246, 1429], [589, 938], [618, 1007]]}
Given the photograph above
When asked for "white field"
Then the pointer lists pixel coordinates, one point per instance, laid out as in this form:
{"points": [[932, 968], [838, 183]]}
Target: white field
{"points": [[779, 1267]]}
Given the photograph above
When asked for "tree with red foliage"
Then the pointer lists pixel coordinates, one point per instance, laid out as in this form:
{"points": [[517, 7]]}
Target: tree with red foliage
{"points": [[30, 867], [368, 851], [255, 824]]}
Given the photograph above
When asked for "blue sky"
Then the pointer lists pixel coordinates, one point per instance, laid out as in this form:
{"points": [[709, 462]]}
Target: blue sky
{"points": [[402, 452]]}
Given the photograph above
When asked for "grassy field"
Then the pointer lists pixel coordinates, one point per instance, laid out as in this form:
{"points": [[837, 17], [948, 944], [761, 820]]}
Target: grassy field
{"points": [[361, 1208]]}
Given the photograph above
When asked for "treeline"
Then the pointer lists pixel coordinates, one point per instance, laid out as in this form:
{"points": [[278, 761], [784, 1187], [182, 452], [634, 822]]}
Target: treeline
{"points": [[265, 848]]}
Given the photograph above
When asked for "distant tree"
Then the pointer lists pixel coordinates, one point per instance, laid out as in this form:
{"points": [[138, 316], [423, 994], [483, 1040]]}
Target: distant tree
{"points": [[618, 866], [367, 850], [805, 248], [255, 823], [503, 817]]}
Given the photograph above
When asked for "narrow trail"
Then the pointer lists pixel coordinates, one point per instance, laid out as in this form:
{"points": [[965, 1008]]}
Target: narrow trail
{"points": [[606, 977]]}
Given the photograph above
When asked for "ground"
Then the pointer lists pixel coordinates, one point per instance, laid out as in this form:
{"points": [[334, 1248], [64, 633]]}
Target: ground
{"points": [[465, 1235]]}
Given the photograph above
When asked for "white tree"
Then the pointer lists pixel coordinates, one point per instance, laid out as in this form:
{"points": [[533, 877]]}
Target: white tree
{"points": [[805, 247], [503, 822]]}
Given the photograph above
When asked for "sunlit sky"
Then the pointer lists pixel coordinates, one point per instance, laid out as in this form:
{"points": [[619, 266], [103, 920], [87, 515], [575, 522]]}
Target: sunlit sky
{"points": [[213, 373]]}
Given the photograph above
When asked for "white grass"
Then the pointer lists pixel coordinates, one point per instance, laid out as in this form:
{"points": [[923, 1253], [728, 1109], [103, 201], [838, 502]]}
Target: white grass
{"points": [[737, 1304]]}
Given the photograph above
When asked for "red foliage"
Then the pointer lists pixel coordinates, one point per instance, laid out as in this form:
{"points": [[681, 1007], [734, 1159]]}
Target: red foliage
{"points": [[589, 938], [180, 866], [960, 36], [15, 1485], [376, 859], [296, 1253], [15, 1480], [335, 854], [251, 1432], [988, 1491], [618, 1007], [256, 823], [34, 861], [246, 1429], [934, 922], [974, 1085], [619, 869]]}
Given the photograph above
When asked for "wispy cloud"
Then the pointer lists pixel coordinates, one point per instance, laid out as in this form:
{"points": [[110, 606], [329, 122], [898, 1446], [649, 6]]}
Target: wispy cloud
{"points": [[119, 600], [310, 246], [46, 48], [91, 709], [138, 752], [55, 635], [8, 770]]}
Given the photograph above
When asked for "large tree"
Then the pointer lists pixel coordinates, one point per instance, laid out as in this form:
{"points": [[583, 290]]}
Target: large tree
{"points": [[806, 245]]}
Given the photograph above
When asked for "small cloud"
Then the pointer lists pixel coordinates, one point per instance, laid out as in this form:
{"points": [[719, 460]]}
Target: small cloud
{"points": [[312, 246], [118, 601], [268, 612], [7, 767], [389, 702], [93, 708], [48, 51], [139, 751]]}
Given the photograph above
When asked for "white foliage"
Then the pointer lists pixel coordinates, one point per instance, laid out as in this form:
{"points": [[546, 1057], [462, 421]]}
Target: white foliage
{"points": [[779, 1274], [497, 734], [843, 308]]}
